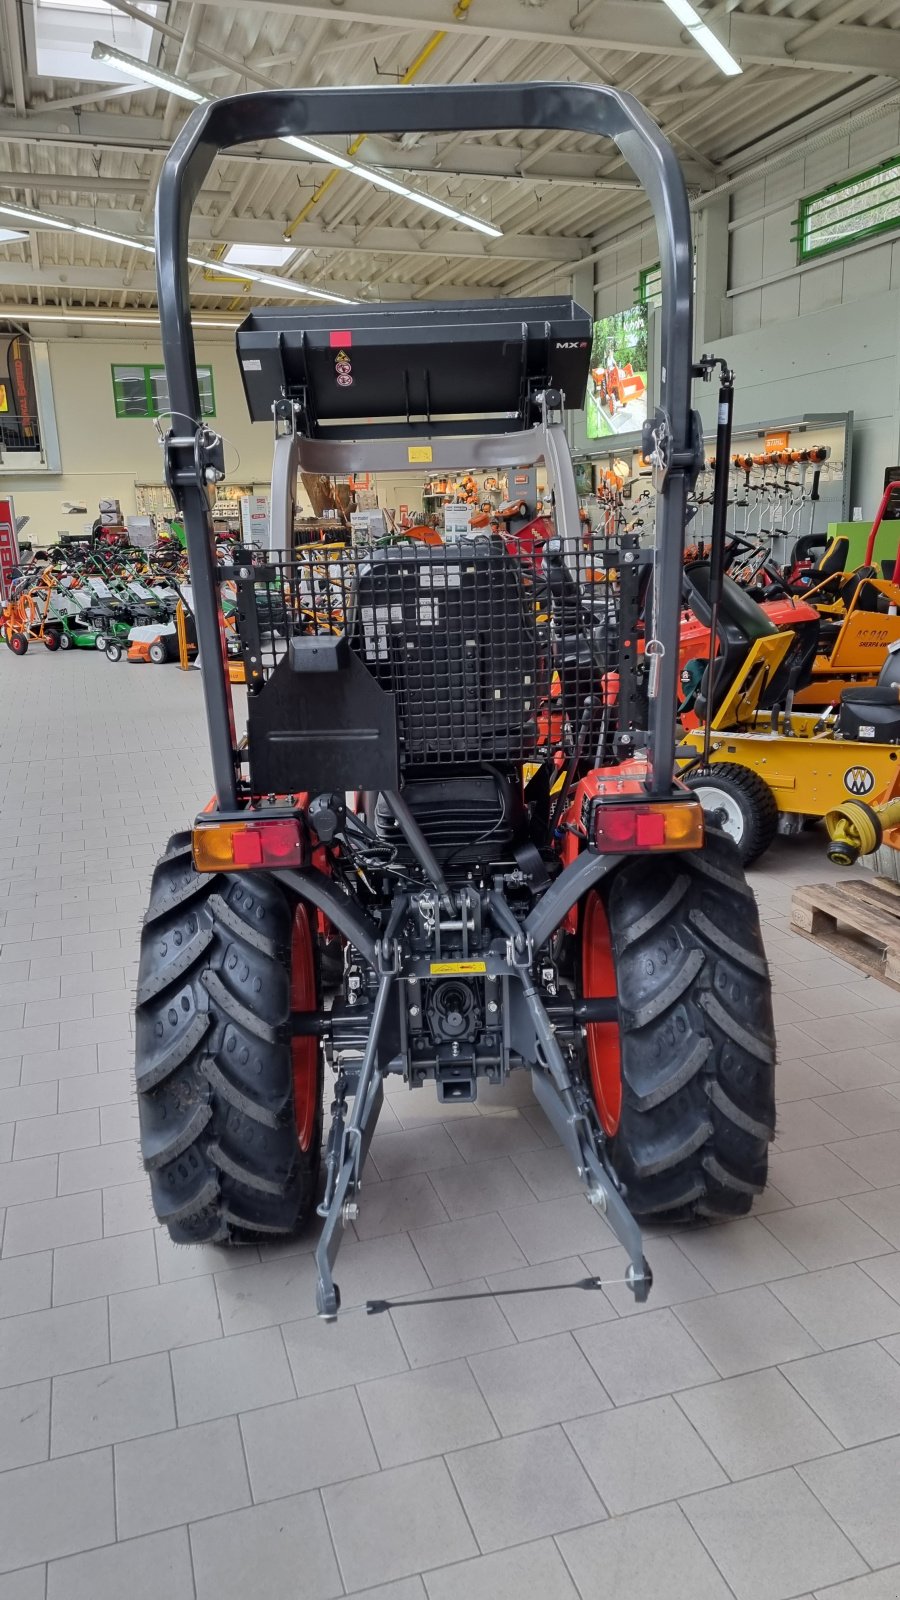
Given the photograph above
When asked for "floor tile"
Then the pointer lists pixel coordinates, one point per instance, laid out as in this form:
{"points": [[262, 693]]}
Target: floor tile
{"points": [[43, 1136], [56, 1508], [859, 1489], [805, 1122], [396, 1155], [44, 1343], [225, 1376], [25, 1424], [22, 1182], [127, 1208], [397, 1205], [865, 1111], [378, 1269], [643, 1454], [395, 1523], [840, 1305], [642, 1358], [302, 1444], [756, 1423], [472, 1247], [530, 1572], [797, 1080], [550, 1174], [853, 1069], [805, 1176], [445, 1323], [524, 1487], [176, 1477], [103, 1266], [43, 1224], [826, 1234], [557, 1228], [163, 1317], [736, 1255], [471, 1190], [886, 1271], [880, 1208], [649, 1554], [333, 1355], [551, 1298], [502, 1134], [538, 1383], [428, 1412], [675, 1279], [25, 1283], [745, 1330], [141, 1569], [876, 1157], [26, 1584], [856, 1391], [403, 1589], [771, 1538], [268, 1552], [108, 1404], [875, 1586]]}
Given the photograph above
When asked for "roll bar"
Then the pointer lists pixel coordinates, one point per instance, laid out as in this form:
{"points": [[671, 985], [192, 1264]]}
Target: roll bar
{"points": [[193, 459]]}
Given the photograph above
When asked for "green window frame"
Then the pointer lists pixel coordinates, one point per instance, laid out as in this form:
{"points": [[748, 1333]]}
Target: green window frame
{"points": [[849, 212], [649, 288], [142, 391]]}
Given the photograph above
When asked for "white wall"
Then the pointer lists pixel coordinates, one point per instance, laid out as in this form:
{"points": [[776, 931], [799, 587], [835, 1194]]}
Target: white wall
{"points": [[820, 337], [104, 456]]}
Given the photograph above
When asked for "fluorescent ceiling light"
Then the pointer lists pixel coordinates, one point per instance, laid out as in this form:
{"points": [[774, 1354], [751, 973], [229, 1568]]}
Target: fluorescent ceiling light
{"points": [[310, 147], [52, 223], [9, 235], [702, 35], [157, 77], [269, 278], [259, 255], [151, 320]]}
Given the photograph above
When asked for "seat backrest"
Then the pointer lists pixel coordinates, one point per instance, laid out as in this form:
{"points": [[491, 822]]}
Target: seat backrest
{"points": [[834, 558], [738, 612]]}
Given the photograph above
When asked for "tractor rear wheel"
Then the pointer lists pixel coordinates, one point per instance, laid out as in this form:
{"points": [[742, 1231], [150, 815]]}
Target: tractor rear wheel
{"points": [[742, 804], [230, 1102], [696, 1040]]}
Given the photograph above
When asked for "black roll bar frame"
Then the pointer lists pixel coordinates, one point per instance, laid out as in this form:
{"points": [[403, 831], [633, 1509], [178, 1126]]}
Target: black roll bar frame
{"points": [[194, 452]]}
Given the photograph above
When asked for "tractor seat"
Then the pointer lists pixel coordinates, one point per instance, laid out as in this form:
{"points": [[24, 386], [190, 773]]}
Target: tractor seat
{"points": [[833, 561], [873, 712], [740, 622]]}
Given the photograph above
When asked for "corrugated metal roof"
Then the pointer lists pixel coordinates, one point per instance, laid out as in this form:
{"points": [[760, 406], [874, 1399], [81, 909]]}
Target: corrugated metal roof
{"points": [[106, 151]]}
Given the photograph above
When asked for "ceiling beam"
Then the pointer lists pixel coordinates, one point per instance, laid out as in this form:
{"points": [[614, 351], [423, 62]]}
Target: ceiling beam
{"points": [[85, 183], [68, 280], [441, 241], [15, 53], [641, 26], [497, 163]]}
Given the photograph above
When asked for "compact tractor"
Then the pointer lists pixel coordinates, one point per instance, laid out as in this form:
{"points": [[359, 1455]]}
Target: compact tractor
{"points": [[452, 845]]}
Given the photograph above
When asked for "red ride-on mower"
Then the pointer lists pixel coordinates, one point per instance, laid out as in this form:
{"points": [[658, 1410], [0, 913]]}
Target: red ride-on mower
{"points": [[389, 880]]}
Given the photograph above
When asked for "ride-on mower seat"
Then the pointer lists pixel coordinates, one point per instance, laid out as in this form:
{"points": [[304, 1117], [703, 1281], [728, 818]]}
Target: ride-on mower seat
{"points": [[873, 712], [742, 621], [832, 561]]}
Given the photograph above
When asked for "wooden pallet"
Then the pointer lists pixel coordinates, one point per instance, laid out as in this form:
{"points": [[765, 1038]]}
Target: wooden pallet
{"points": [[857, 919]]}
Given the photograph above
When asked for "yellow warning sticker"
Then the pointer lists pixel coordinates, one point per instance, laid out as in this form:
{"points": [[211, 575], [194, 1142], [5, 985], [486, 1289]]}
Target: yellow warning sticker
{"points": [[418, 452], [456, 969]]}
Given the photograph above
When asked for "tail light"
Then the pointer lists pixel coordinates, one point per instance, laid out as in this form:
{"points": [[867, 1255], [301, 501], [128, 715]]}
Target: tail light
{"points": [[241, 846], [630, 826]]}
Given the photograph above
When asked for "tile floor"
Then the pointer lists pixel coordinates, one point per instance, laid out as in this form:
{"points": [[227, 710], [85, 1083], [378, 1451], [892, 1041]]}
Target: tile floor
{"points": [[178, 1422]]}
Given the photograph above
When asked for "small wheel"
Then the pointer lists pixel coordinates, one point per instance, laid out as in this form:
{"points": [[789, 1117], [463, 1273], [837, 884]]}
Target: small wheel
{"points": [[65, 640], [52, 639], [113, 651], [740, 802], [101, 642], [18, 643], [158, 653]]}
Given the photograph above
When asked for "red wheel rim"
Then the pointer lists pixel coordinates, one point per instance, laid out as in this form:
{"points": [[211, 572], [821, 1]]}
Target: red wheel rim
{"points": [[304, 1047], [598, 982]]}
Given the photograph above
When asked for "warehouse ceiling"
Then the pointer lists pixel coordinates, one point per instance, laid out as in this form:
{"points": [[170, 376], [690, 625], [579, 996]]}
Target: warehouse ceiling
{"points": [[81, 144]]}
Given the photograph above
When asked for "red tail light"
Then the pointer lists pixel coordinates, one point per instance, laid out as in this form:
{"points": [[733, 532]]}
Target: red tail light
{"points": [[642, 825]]}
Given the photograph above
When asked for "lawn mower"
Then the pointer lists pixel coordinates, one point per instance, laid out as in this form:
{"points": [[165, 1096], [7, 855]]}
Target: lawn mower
{"points": [[757, 762], [376, 883]]}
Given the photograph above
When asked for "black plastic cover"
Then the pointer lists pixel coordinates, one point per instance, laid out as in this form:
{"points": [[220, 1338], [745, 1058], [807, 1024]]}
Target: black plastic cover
{"points": [[458, 367]]}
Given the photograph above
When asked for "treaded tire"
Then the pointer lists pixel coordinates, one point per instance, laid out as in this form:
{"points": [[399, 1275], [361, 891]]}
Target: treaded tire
{"points": [[750, 795], [697, 1038], [213, 1057]]}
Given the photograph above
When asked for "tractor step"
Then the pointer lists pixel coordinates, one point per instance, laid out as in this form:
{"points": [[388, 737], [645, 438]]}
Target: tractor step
{"points": [[857, 919]]}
